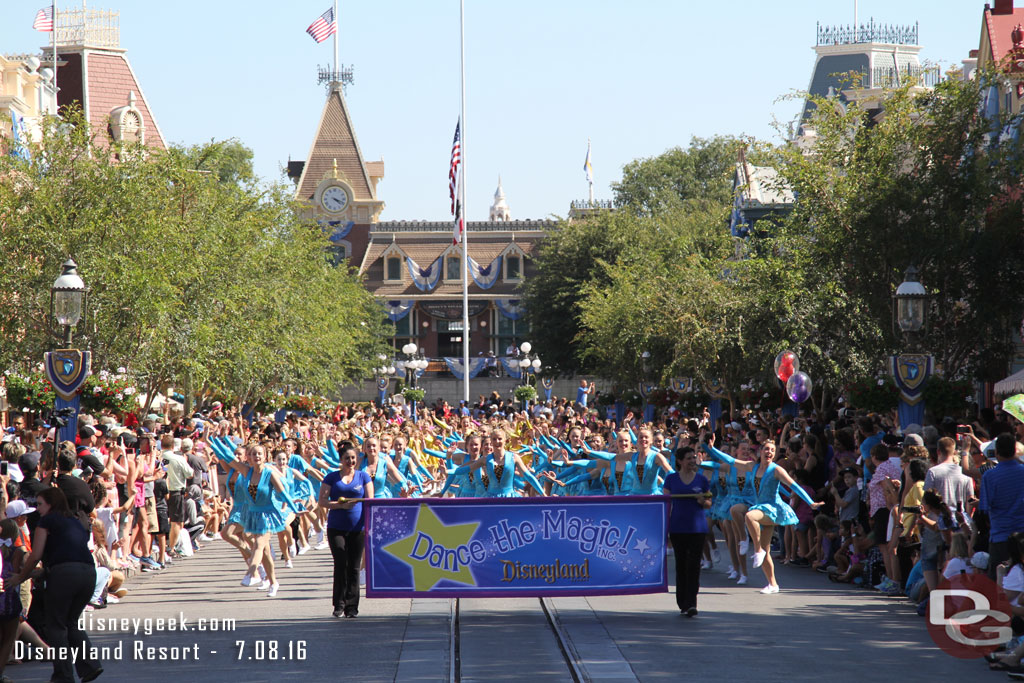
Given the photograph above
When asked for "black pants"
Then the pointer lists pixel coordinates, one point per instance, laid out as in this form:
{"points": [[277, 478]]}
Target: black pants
{"points": [[69, 586], [998, 552], [687, 549], [347, 550]]}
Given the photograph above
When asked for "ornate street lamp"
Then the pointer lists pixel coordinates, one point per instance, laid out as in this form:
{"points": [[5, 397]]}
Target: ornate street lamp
{"points": [[67, 299], [529, 365], [910, 371], [911, 305]]}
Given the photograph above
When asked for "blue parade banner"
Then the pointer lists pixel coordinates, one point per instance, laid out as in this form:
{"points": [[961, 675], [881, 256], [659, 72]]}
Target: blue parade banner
{"points": [[516, 547]]}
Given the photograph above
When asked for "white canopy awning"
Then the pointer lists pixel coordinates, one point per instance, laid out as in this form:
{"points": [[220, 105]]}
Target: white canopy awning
{"points": [[1014, 384]]}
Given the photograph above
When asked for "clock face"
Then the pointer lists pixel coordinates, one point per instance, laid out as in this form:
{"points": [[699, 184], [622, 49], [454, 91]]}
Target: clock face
{"points": [[334, 199]]}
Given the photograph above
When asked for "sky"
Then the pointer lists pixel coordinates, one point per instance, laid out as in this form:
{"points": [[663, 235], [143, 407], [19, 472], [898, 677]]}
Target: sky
{"points": [[542, 77]]}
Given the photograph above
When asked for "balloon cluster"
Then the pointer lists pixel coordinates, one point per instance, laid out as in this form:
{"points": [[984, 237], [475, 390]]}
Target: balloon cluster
{"points": [[798, 384]]}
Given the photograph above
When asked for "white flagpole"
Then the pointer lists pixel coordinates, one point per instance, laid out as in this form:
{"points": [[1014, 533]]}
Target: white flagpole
{"points": [[337, 27], [590, 174], [465, 223], [53, 11]]}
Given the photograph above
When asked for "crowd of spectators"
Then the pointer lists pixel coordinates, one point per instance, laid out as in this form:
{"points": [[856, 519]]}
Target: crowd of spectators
{"points": [[906, 505]]}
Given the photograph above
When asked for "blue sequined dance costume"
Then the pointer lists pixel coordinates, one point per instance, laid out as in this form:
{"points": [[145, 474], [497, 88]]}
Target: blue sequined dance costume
{"points": [[768, 499]]}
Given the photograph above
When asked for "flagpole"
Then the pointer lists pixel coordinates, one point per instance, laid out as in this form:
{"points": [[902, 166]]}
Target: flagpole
{"points": [[465, 223], [337, 26], [53, 11], [591, 174]]}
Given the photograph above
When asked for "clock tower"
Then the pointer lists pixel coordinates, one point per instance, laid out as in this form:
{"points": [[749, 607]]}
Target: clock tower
{"points": [[336, 184]]}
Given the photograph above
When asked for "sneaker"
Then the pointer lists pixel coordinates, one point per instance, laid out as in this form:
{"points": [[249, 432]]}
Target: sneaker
{"points": [[272, 591], [744, 547], [303, 549], [265, 585], [149, 562], [288, 564], [319, 538], [769, 589], [322, 545], [922, 608], [732, 574], [716, 556], [742, 581], [692, 612], [705, 564], [886, 583], [250, 580], [205, 538], [759, 558], [338, 613], [113, 599], [892, 589], [134, 558]]}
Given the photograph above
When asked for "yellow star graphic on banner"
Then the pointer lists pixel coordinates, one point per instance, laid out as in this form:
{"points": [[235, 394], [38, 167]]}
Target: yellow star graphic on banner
{"points": [[431, 550]]}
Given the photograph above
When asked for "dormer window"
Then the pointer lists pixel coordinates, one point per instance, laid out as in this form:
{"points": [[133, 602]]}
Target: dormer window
{"points": [[452, 268], [513, 267], [393, 268]]}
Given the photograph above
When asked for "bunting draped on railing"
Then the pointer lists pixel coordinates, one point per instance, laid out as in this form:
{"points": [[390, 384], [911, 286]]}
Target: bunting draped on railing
{"points": [[398, 309], [475, 366], [485, 276], [513, 309], [427, 278], [511, 366]]}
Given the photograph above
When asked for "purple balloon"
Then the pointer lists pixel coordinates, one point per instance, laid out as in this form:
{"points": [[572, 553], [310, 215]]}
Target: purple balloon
{"points": [[798, 387]]}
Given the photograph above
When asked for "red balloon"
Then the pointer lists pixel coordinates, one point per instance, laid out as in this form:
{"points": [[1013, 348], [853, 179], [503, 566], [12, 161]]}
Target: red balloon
{"points": [[785, 372]]}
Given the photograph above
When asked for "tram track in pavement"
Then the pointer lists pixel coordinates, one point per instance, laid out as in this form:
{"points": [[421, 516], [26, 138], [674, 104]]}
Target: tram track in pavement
{"points": [[541, 638]]}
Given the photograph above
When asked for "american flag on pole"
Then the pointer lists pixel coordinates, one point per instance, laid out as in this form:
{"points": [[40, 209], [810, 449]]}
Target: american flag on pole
{"points": [[44, 19], [453, 169], [459, 226], [323, 27]]}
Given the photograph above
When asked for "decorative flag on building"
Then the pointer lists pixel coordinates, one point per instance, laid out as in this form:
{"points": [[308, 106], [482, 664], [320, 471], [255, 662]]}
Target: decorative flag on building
{"points": [[324, 27], [587, 167], [44, 19]]}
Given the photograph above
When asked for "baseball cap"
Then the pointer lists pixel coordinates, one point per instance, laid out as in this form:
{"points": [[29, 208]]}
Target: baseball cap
{"points": [[29, 461], [85, 431], [912, 440], [18, 508], [978, 561]]}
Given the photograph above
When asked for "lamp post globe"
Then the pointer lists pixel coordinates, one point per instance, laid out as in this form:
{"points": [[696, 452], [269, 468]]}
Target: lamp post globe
{"points": [[526, 347], [536, 364], [409, 349], [911, 299], [67, 297]]}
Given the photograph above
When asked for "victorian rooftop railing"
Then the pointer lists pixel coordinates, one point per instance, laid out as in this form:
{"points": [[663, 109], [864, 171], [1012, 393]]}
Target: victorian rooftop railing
{"points": [[868, 33], [95, 27]]}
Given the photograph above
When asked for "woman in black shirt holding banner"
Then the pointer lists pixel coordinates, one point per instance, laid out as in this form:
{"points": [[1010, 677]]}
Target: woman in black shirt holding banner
{"points": [[62, 543]]}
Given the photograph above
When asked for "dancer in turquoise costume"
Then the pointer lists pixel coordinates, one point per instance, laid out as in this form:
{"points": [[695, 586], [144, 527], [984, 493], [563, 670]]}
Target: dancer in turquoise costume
{"points": [[501, 468], [649, 464], [408, 465], [466, 484], [380, 468], [260, 515], [301, 490], [233, 532], [618, 476], [768, 510], [734, 499]]}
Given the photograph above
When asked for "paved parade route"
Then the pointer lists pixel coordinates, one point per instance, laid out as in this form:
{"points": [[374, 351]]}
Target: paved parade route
{"points": [[812, 629]]}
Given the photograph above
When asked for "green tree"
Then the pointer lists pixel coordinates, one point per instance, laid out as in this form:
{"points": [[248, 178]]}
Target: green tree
{"points": [[920, 185], [194, 269]]}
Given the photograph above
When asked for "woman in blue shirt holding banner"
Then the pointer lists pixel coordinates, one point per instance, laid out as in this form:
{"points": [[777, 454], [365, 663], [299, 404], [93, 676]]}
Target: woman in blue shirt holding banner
{"points": [[341, 494], [687, 526]]}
